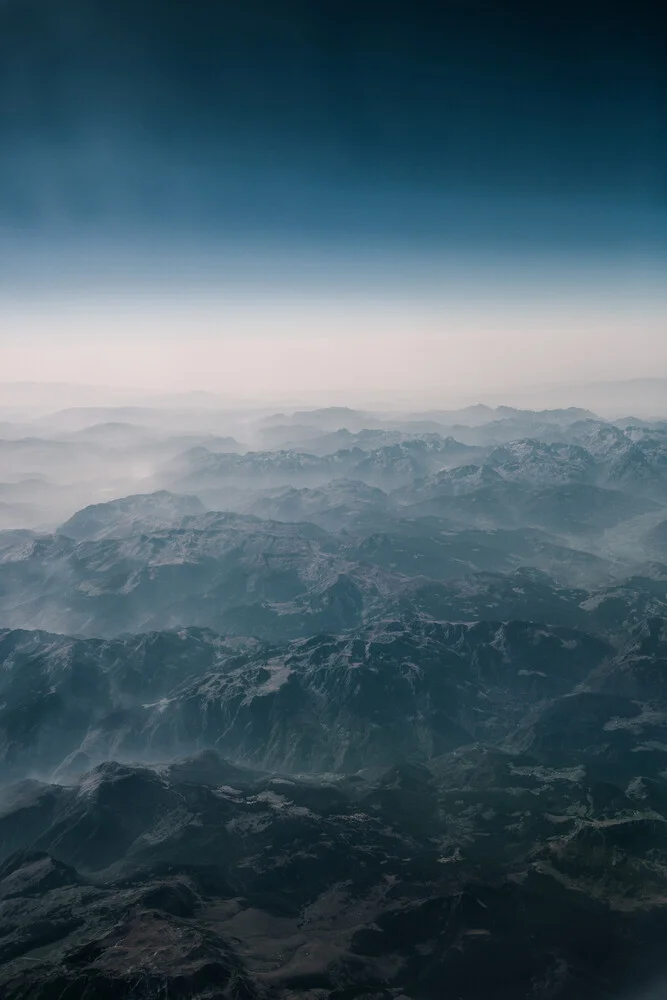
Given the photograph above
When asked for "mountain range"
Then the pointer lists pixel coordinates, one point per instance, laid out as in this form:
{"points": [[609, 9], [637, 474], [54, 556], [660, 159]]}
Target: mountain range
{"points": [[332, 705]]}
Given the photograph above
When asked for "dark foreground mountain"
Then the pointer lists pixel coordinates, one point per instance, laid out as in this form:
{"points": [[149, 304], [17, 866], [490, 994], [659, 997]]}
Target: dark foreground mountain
{"points": [[415, 809], [483, 874]]}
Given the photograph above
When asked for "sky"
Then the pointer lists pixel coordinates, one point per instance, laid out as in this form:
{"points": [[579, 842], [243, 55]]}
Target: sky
{"points": [[266, 196]]}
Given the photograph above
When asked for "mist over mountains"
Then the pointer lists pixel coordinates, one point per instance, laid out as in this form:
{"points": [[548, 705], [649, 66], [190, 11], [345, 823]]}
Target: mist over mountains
{"points": [[332, 703], [333, 500]]}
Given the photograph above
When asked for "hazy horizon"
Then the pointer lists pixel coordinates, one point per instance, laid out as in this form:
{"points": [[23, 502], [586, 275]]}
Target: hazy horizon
{"points": [[469, 331], [643, 398]]}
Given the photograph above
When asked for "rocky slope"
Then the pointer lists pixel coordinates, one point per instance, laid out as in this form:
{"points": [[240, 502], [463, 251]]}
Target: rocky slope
{"points": [[395, 689], [485, 873]]}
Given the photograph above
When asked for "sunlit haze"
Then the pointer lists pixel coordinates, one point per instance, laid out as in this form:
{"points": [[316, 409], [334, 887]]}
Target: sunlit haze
{"points": [[403, 325]]}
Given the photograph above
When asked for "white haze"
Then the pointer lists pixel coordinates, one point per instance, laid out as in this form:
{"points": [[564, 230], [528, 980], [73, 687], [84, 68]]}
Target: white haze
{"points": [[268, 349]]}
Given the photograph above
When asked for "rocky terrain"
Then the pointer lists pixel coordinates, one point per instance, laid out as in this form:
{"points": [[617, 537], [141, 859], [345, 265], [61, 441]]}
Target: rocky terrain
{"points": [[334, 705]]}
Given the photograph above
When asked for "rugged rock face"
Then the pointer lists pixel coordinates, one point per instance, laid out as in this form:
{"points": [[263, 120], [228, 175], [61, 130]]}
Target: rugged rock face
{"points": [[484, 870], [395, 689], [241, 575], [438, 795], [130, 515]]}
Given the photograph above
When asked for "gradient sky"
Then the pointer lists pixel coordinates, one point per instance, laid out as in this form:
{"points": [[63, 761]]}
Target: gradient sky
{"points": [[276, 194]]}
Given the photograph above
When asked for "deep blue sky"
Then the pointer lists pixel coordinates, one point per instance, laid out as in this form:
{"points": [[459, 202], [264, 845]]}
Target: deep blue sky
{"points": [[337, 194], [467, 122]]}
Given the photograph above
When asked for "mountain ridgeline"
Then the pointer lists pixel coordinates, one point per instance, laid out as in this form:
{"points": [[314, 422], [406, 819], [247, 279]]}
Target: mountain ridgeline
{"points": [[332, 704]]}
